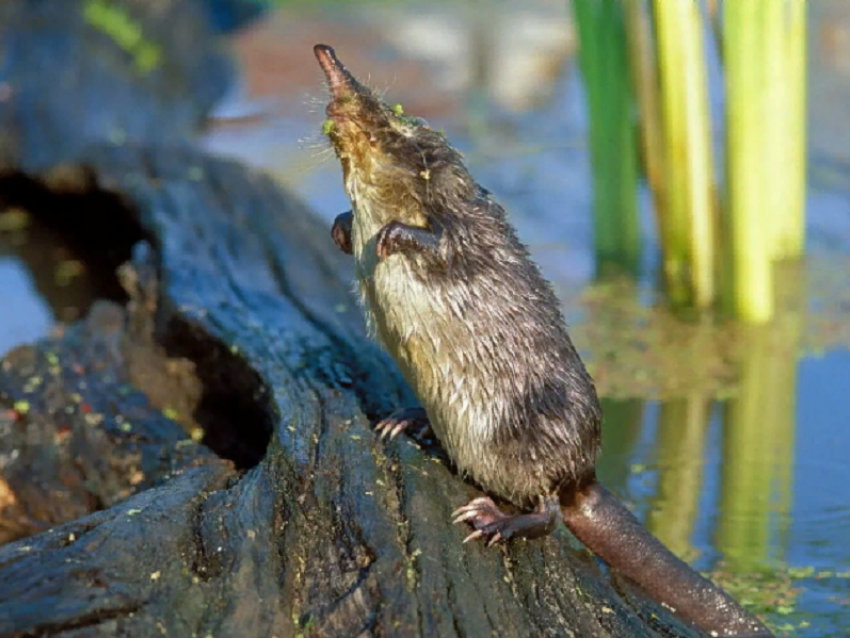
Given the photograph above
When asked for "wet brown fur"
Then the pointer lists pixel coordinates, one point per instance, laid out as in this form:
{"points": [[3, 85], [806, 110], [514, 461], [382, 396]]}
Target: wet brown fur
{"points": [[475, 327]]}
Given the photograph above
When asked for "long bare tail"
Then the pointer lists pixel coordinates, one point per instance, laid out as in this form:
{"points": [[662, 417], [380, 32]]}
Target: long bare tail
{"points": [[600, 521]]}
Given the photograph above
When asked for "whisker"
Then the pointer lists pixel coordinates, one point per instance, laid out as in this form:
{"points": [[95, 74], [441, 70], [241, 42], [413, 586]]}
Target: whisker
{"points": [[314, 141], [383, 92], [314, 103]]}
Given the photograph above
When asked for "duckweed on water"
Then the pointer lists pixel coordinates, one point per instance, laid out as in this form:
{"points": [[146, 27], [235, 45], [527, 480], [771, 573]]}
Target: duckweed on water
{"points": [[772, 594], [635, 349]]}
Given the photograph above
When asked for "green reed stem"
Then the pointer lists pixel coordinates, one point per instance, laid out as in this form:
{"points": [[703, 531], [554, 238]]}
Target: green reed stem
{"points": [[752, 239], [791, 237], [604, 68], [644, 74], [689, 241]]}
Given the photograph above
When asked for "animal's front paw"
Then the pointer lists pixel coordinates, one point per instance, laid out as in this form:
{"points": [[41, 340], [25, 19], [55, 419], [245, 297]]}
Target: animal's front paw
{"points": [[389, 239], [412, 420], [341, 232]]}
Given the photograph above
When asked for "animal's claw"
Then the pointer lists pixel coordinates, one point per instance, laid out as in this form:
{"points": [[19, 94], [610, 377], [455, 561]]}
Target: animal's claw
{"points": [[491, 522], [402, 420], [487, 519], [474, 535]]}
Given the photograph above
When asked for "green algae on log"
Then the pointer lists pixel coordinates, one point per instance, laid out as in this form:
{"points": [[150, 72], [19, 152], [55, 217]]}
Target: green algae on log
{"points": [[85, 436], [115, 21], [77, 72]]}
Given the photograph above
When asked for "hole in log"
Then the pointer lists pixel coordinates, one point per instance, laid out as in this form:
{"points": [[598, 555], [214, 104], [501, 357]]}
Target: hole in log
{"points": [[232, 408], [70, 242]]}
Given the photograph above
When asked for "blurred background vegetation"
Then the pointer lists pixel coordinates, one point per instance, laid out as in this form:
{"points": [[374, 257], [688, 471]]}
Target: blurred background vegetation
{"points": [[645, 69]]}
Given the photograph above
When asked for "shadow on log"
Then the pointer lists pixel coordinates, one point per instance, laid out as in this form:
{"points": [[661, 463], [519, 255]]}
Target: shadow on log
{"points": [[289, 518]]}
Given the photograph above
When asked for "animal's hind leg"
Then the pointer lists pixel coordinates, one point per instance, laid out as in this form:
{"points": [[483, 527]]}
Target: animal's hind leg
{"points": [[489, 521]]}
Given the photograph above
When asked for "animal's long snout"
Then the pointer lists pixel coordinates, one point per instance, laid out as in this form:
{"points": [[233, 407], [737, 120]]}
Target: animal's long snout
{"points": [[341, 82]]}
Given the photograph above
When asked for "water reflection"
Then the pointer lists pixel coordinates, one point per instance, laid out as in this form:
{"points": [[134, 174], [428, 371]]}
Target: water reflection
{"points": [[729, 487], [43, 278], [758, 437], [32, 317], [659, 457], [681, 433], [621, 432]]}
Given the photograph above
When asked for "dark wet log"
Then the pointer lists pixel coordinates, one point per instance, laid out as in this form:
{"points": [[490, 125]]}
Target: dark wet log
{"points": [[75, 71], [77, 432], [230, 15], [326, 531]]}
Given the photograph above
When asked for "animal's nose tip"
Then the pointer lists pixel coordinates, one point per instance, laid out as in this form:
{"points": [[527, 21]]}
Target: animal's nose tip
{"points": [[339, 79], [325, 55]]}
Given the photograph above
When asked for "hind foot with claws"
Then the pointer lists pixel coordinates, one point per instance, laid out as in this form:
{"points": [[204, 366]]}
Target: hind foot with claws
{"points": [[411, 420], [492, 523]]}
